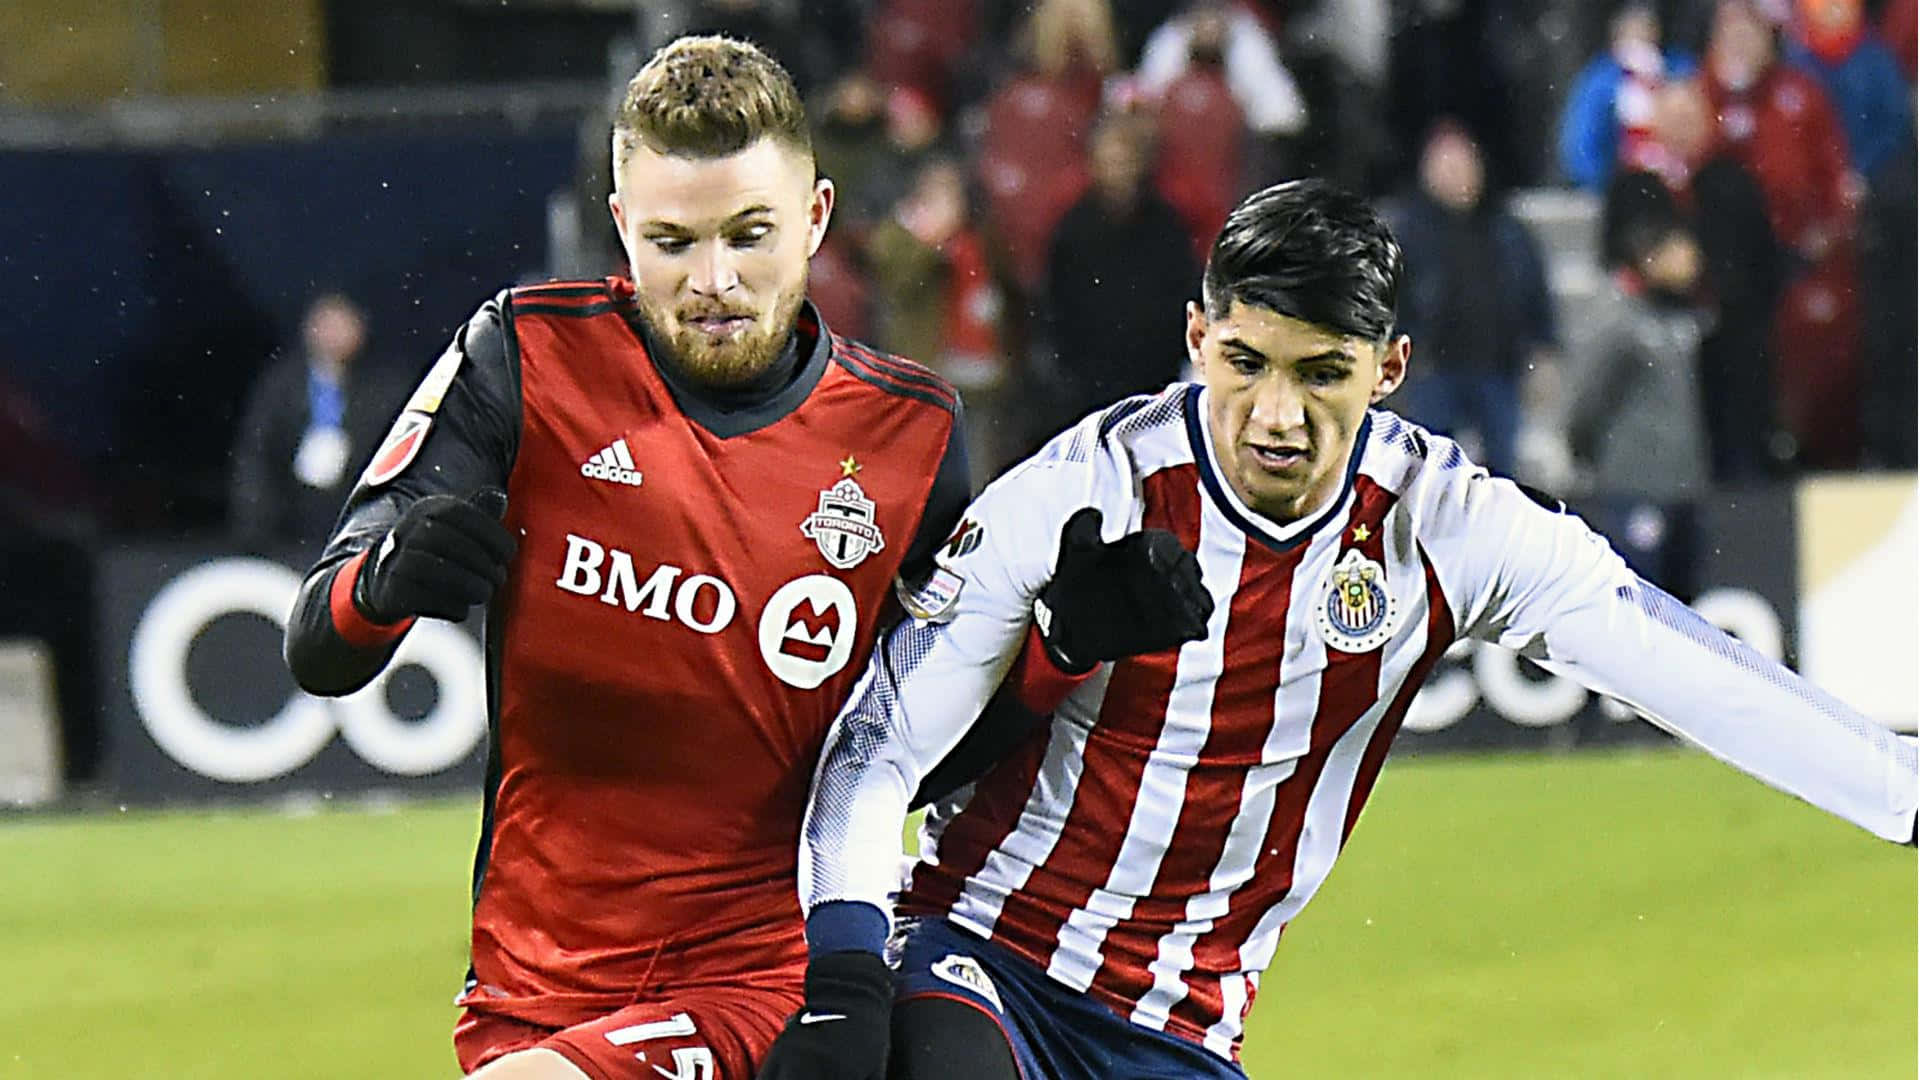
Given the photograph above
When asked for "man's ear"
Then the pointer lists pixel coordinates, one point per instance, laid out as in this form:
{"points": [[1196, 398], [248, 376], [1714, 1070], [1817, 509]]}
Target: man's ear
{"points": [[1196, 332], [819, 213], [1393, 367]]}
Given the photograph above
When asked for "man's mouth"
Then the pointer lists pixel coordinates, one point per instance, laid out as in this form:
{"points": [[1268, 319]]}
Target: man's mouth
{"points": [[1277, 458], [718, 325]]}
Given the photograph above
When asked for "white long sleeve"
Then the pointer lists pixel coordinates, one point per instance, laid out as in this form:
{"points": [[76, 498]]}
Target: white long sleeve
{"points": [[1546, 586]]}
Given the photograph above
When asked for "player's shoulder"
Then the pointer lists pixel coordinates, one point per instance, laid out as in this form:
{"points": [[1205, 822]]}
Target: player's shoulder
{"points": [[890, 374], [562, 298], [1435, 478], [1397, 454], [1425, 471], [1101, 459], [1145, 432], [1146, 416]]}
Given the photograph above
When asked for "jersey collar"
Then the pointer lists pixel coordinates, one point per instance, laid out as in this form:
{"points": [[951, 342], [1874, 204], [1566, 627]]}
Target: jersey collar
{"points": [[726, 420], [1273, 534]]}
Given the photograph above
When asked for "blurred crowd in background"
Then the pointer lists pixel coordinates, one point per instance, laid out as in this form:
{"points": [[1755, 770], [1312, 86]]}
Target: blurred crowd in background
{"points": [[1652, 248]]}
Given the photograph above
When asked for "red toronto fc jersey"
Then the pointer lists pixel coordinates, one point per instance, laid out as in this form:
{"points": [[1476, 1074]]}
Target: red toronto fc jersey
{"points": [[685, 615]]}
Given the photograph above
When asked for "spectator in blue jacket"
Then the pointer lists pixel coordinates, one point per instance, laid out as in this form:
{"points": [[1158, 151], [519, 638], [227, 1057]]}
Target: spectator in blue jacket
{"points": [[1609, 112], [1832, 42]]}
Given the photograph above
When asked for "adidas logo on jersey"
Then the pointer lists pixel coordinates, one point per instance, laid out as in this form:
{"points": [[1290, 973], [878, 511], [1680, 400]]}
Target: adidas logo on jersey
{"points": [[614, 464]]}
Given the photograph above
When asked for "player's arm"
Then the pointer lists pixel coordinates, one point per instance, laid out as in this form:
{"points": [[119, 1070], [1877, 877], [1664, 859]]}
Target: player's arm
{"points": [[1039, 681], [1032, 690], [420, 534], [1541, 582], [1038, 548], [1043, 560]]}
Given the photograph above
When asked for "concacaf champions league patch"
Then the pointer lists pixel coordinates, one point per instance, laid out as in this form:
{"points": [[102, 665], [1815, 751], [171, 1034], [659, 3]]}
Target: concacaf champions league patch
{"points": [[409, 432], [1357, 611]]}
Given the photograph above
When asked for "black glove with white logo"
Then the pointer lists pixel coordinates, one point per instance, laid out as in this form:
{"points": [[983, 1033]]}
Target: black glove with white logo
{"points": [[1140, 594], [841, 1031], [443, 556]]}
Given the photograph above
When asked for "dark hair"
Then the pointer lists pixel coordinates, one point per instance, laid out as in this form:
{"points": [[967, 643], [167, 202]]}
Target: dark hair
{"points": [[1311, 251], [1637, 213]]}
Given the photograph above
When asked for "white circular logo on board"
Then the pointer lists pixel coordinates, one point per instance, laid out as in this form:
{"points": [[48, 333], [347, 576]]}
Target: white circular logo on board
{"points": [[157, 679], [807, 630]]}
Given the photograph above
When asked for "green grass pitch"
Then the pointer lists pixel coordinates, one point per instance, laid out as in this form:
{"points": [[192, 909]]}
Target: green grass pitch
{"points": [[1642, 914]]}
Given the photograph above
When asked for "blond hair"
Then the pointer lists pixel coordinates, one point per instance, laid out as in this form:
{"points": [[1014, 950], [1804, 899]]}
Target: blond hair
{"points": [[709, 96]]}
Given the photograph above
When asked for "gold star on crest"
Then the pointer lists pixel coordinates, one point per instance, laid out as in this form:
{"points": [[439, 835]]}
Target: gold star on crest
{"points": [[1361, 534], [849, 466]]}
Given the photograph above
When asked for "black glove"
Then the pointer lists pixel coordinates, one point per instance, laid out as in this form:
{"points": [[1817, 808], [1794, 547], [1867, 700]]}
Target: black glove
{"points": [[1140, 594], [442, 557], [841, 1031]]}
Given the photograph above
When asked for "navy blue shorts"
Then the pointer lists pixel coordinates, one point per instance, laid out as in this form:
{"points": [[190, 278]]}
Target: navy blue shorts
{"points": [[1056, 1033]]}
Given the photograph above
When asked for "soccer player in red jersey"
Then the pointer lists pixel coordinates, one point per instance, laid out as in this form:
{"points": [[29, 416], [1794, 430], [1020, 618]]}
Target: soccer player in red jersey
{"points": [[687, 504], [1105, 899]]}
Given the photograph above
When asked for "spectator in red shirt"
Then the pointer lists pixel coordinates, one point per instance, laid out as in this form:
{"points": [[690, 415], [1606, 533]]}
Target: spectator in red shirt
{"points": [[1742, 265], [937, 295], [1780, 125]]}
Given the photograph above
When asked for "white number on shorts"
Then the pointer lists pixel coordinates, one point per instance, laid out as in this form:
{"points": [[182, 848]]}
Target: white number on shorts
{"points": [[675, 1025], [689, 1063]]}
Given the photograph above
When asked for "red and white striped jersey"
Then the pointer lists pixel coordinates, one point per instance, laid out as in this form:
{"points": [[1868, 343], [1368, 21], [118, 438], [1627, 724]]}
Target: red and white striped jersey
{"points": [[1148, 846]]}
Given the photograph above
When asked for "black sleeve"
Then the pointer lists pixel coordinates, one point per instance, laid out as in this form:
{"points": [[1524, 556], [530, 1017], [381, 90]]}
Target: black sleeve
{"points": [[472, 443], [951, 492]]}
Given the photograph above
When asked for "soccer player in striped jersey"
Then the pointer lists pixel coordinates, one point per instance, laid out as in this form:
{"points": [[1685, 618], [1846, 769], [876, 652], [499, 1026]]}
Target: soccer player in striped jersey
{"points": [[1103, 900]]}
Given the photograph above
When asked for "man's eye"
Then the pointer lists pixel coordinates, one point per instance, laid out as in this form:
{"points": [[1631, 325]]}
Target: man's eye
{"points": [[671, 245], [749, 237], [1244, 364], [1327, 376]]}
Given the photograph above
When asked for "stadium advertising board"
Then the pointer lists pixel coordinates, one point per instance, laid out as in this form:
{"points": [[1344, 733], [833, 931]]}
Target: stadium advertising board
{"points": [[199, 703], [1860, 591]]}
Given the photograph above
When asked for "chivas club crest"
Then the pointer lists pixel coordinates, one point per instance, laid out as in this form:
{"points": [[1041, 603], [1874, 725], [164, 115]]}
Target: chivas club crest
{"points": [[843, 527], [1357, 613]]}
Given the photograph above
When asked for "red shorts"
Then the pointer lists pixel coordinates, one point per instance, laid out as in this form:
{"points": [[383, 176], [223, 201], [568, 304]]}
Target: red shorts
{"points": [[711, 1035]]}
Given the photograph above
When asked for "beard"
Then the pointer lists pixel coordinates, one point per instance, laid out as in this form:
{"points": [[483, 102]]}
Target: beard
{"points": [[734, 361]]}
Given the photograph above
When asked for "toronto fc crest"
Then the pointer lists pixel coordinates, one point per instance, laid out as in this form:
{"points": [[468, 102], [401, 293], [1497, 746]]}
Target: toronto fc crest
{"points": [[843, 526], [1357, 613]]}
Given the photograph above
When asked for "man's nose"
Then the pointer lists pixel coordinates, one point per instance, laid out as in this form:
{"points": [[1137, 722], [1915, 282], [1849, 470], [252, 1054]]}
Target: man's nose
{"points": [[1278, 406], [714, 273]]}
